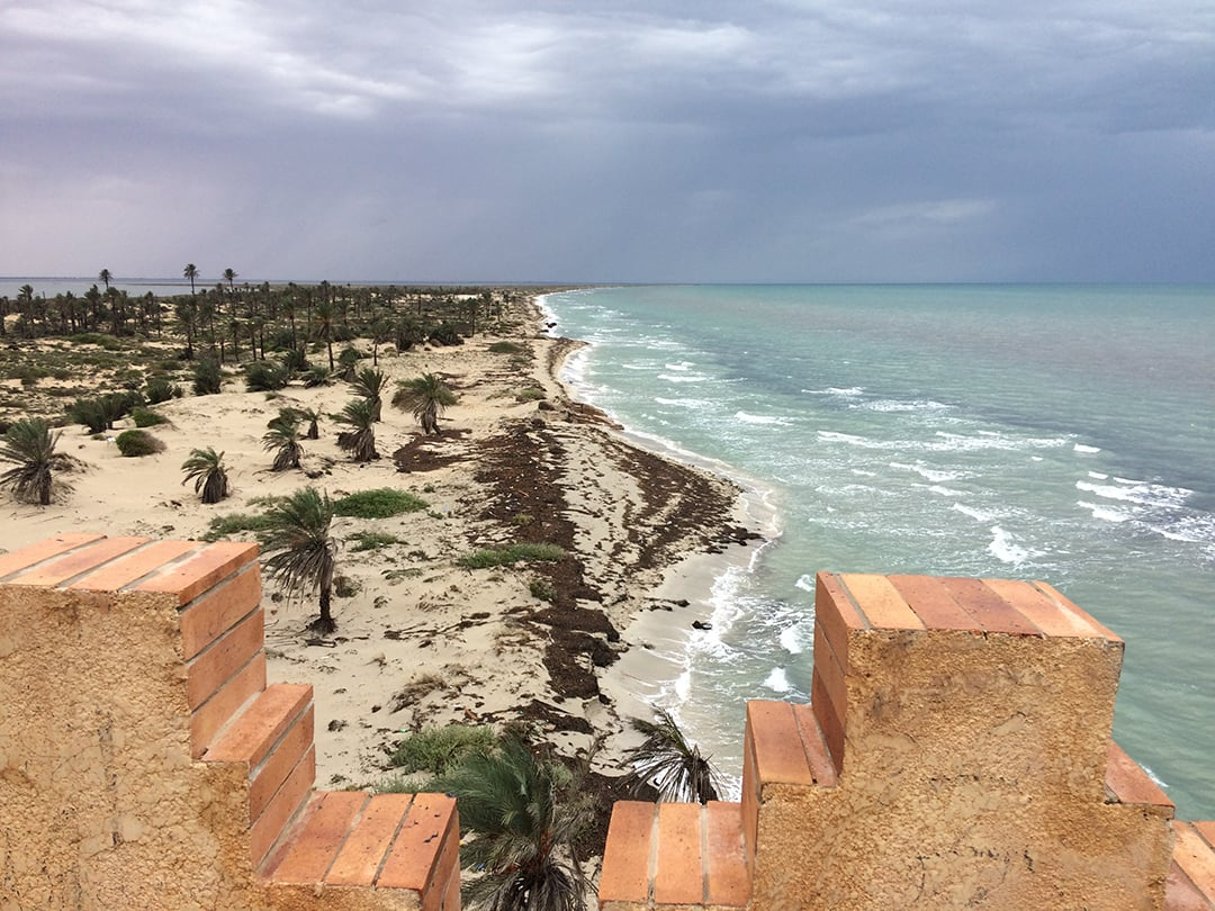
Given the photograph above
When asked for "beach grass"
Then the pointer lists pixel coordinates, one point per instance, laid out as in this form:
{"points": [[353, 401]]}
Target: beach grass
{"points": [[508, 556], [380, 503]]}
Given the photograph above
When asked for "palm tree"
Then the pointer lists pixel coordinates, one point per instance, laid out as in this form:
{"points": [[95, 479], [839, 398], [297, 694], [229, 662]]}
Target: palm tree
{"points": [[190, 272], [360, 441], [205, 467], [669, 763], [230, 278], [325, 326], [298, 552], [425, 397], [523, 814], [283, 439], [104, 277], [369, 384], [30, 444]]}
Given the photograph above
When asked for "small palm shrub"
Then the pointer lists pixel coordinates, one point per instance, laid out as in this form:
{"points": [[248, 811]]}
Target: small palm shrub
{"points": [[283, 439], [208, 378], [313, 417], [91, 413], [446, 334], [297, 550], [359, 441], [137, 443], [265, 376], [31, 445], [424, 397], [295, 360], [369, 383], [347, 361], [317, 375], [205, 467]]}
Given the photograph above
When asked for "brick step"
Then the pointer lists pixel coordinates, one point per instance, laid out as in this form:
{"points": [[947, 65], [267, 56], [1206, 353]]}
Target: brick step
{"points": [[1127, 783], [1191, 884], [674, 854], [272, 738], [387, 844]]}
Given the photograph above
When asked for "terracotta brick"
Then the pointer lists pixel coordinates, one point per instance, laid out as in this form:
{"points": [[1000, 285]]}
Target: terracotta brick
{"points": [[1130, 784], [835, 612], [933, 603], [880, 602], [1042, 611], [73, 563], [750, 800], [831, 724], [221, 707], [25, 557], [411, 859], [830, 674], [192, 576], [448, 861], [1206, 828], [779, 756], [1195, 857], [206, 619], [1065, 603], [359, 861], [725, 861], [266, 778], [282, 807], [251, 736], [1182, 895], [451, 895], [814, 742], [679, 872], [992, 612], [119, 573], [223, 658], [626, 855], [314, 845]]}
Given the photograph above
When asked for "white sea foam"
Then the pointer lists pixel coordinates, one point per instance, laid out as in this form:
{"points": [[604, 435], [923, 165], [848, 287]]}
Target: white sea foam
{"points": [[683, 403], [1140, 492], [930, 474], [946, 491], [682, 365], [895, 405], [805, 583], [777, 681], [832, 436], [635, 367], [761, 419], [1105, 513], [690, 378], [1004, 548], [849, 392], [791, 640], [977, 514], [1080, 447], [1098, 476], [862, 473]]}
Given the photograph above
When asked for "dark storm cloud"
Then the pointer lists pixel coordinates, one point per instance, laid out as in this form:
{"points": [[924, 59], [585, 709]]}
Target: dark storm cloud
{"points": [[610, 141]]}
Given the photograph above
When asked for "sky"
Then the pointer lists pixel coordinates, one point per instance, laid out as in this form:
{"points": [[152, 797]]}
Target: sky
{"points": [[600, 141]]}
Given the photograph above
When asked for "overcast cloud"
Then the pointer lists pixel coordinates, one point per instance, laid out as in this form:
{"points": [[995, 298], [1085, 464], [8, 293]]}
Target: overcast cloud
{"points": [[676, 140]]}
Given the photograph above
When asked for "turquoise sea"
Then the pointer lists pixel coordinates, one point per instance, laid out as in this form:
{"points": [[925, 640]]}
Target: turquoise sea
{"points": [[1065, 433]]}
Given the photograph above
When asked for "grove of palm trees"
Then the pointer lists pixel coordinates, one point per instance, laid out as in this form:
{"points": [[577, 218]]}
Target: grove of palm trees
{"points": [[471, 554]]}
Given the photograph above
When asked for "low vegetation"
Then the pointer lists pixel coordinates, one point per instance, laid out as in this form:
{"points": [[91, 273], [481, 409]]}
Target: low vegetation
{"points": [[371, 540], [439, 750], [380, 503], [135, 444], [515, 553]]}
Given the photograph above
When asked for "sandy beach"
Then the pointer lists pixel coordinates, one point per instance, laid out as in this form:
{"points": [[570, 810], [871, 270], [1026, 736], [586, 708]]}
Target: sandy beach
{"points": [[420, 639]]}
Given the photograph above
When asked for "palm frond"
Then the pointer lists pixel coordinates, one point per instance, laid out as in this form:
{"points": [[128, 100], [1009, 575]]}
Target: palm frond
{"points": [[205, 467], [31, 445], [667, 762]]}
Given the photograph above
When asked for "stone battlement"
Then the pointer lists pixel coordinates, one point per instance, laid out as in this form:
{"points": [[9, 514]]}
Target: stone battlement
{"points": [[146, 763]]}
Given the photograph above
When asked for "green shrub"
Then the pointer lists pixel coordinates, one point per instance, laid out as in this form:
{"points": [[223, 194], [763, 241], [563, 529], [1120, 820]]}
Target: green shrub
{"points": [[208, 378], [506, 348], [345, 587], [445, 334], [136, 443], [295, 360], [89, 412], [108, 342], [542, 589], [440, 750], [380, 503], [146, 417], [236, 523], [530, 394], [317, 375], [371, 540], [515, 553], [265, 376]]}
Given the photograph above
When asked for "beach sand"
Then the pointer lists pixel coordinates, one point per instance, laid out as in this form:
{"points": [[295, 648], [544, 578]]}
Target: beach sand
{"points": [[424, 641]]}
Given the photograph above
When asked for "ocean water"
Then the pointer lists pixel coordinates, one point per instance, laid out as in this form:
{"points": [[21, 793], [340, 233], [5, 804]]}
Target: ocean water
{"points": [[1065, 433]]}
